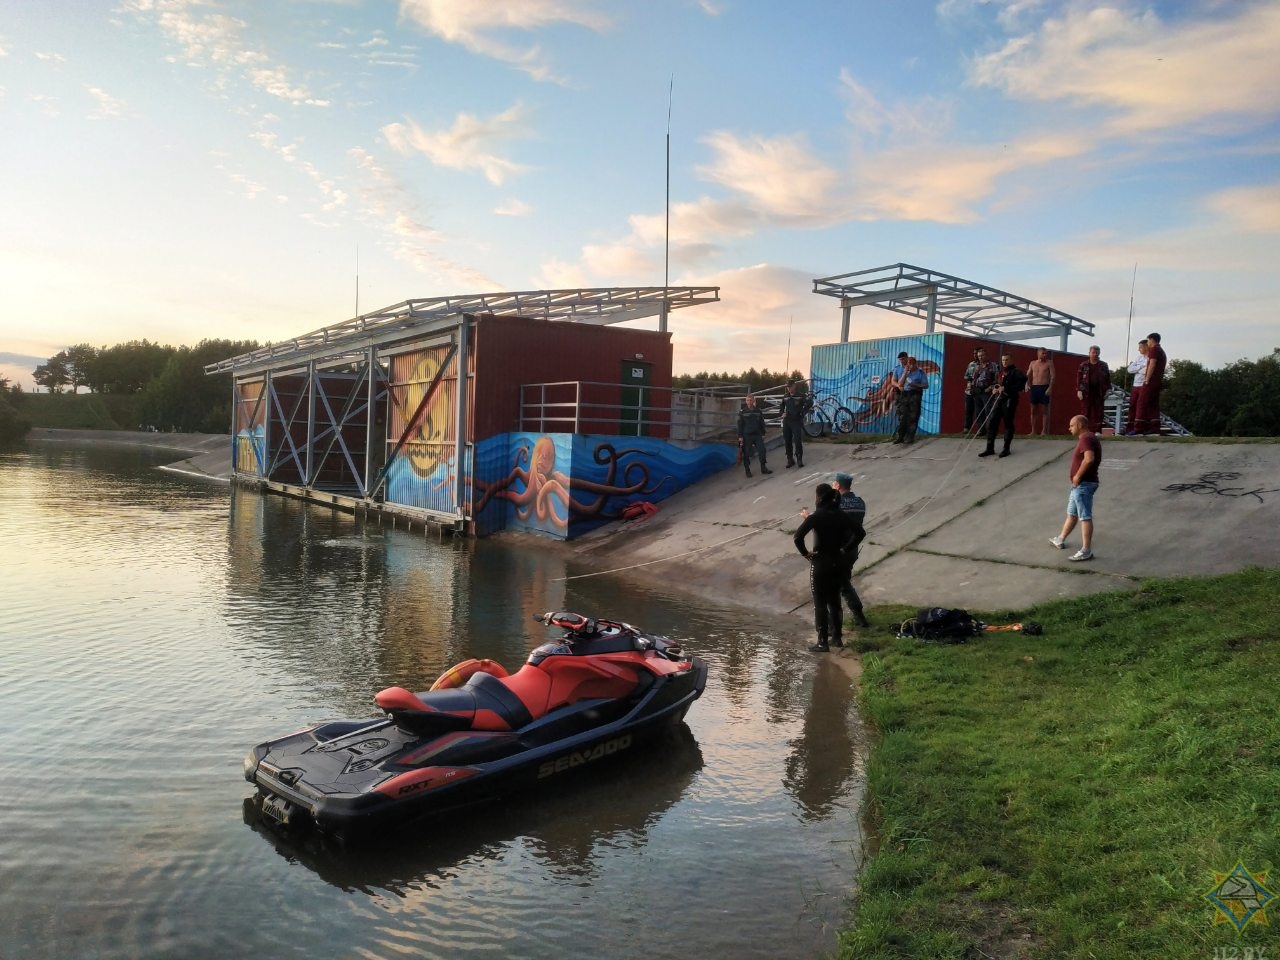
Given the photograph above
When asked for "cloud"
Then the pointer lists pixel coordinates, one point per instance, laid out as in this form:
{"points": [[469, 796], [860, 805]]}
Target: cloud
{"points": [[392, 208], [51, 58], [472, 24], [513, 208], [761, 308], [780, 175], [1206, 74], [216, 40], [467, 145], [108, 106], [1249, 209]]}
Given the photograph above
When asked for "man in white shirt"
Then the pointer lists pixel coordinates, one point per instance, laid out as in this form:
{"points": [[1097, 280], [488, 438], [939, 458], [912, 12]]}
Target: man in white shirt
{"points": [[1138, 370]]}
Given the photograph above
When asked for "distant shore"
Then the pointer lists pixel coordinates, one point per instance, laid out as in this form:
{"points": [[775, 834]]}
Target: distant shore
{"points": [[208, 454]]}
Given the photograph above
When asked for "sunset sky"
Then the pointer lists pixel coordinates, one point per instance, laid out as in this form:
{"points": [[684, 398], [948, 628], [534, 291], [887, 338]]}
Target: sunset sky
{"points": [[188, 169]]}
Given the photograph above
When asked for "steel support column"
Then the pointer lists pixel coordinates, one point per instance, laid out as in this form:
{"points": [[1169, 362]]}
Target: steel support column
{"points": [[461, 469]]}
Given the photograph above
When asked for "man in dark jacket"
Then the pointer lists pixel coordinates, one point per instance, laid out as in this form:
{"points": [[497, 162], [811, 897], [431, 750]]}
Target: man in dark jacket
{"points": [[1012, 382], [1093, 380], [855, 508], [751, 434], [794, 407]]}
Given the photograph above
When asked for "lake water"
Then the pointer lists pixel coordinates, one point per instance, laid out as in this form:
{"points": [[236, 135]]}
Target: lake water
{"points": [[153, 627]]}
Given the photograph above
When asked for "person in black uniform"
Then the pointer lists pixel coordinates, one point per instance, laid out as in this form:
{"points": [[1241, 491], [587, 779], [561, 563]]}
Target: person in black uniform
{"points": [[834, 537], [751, 434], [794, 407], [1005, 405], [855, 508]]}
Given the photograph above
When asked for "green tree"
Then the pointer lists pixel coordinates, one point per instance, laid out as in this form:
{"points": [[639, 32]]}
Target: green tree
{"points": [[1236, 401], [182, 398], [53, 375]]}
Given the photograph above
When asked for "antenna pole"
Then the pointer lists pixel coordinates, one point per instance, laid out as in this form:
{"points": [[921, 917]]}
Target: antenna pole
{"points": [[790, 320], [357, 279], [666, 254], [1128, 335]]}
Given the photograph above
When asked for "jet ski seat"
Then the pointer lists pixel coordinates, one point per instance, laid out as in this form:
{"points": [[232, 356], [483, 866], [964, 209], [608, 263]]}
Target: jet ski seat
{"points": [[492, 694]]}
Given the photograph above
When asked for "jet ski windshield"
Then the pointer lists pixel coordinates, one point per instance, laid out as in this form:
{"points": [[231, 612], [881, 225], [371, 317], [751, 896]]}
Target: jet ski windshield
{"points": [[556, 648]]}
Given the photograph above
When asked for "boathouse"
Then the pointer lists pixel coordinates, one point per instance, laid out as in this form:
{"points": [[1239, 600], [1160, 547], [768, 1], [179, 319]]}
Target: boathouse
{"points": [[535, 410]]}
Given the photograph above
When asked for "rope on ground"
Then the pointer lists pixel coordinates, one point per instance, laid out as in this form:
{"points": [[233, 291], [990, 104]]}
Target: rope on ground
{"points": [[978, 430], [688, 553]]}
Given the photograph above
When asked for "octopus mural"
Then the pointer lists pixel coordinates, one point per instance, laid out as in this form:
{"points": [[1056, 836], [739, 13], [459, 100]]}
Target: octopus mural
{"points": [[543, 495]]}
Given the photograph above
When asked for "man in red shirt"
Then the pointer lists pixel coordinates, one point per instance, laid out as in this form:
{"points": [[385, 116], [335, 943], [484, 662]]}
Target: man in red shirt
{"points": [[1147, 419], [1084, 483]]}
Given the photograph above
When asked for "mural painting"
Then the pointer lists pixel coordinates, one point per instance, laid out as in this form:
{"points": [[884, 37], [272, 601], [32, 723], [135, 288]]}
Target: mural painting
{"points": [[422, 474], [565, 485], [857, 375], [249, 453]]}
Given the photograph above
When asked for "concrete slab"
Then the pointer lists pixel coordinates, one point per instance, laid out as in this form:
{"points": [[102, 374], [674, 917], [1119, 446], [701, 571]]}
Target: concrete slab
{"points": [[946, 528]]}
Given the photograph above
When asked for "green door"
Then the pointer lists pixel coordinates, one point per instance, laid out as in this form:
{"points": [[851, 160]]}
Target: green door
{"points": [[636, 377]]}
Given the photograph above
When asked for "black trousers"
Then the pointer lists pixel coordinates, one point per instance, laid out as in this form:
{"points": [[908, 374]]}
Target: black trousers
{"points": [[1003, 410], [752, 441], [792, 439], [851, 598], [825, 579]]}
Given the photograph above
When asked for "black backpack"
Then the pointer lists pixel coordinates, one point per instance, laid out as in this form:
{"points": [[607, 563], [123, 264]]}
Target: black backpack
{"points": [[940, 625]]}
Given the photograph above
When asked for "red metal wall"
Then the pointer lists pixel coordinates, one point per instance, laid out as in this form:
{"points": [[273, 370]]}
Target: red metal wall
{"points": [[957, 354], [511, 351]]}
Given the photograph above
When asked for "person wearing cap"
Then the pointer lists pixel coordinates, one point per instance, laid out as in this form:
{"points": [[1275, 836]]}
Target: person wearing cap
{"points": [[794, 407], [855, 508], [912, 386]]}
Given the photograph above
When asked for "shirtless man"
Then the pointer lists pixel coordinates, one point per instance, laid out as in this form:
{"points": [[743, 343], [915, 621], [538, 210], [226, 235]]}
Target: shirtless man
{"points": [[1040, 385]]}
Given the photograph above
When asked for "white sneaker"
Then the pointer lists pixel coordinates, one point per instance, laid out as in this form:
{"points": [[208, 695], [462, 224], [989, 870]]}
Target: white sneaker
{"points": [[1081, 554], [1058, 542]]}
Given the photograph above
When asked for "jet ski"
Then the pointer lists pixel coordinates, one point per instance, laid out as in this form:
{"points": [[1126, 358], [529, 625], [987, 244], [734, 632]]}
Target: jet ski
{"points": [[479, 732]]}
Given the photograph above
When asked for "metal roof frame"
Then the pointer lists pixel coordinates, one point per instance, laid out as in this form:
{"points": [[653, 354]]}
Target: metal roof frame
{"points": [[941, 299], [598, 305]]}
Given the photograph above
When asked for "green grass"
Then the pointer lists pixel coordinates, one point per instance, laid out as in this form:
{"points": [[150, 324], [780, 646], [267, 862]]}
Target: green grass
{"points": [[1070, 795], [80, 411]]}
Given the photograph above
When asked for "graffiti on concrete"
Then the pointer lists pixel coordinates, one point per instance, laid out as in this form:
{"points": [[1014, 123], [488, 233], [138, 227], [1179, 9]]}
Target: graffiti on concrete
{"points": [[1212, 483]]}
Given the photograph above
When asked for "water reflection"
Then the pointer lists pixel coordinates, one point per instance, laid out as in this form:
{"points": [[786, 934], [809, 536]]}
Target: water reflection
{"points": [[156, 627], [568, 826], [820, 768]]}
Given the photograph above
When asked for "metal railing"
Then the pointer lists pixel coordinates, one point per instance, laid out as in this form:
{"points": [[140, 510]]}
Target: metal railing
{"points": [[618, 409]]}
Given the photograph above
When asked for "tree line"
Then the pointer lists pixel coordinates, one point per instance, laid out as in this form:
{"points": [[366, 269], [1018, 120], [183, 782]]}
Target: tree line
{"points": [[171, 389], [1239, 400], [173, 393]]}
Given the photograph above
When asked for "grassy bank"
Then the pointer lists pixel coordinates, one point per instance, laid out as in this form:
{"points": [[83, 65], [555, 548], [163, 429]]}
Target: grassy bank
{"points": [[1070, 795], [80, 411]]}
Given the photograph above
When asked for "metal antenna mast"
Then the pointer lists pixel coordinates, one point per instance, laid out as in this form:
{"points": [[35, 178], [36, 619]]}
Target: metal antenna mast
{"points": [[666, 255]]}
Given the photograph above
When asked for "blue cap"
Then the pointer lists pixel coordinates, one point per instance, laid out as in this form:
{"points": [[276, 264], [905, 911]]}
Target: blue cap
{"points": [[844, 479]]}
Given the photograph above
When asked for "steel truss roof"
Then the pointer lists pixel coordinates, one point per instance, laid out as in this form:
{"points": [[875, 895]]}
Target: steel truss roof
{"points": [[599, 305], [938, 298]]}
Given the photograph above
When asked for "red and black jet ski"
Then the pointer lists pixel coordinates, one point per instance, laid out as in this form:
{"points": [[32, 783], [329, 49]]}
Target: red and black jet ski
{"points": [[480, 732]]}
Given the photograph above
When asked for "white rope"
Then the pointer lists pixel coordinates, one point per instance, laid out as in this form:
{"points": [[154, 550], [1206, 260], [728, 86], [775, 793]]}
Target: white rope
{"points": [[688, 553]]}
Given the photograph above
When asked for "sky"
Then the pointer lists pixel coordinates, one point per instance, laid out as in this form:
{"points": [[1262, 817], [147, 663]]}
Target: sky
{"points": [[178, 170]]}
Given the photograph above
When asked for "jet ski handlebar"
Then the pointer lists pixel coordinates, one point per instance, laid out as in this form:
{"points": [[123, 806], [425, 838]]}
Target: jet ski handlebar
{"points": [[578, 627]]}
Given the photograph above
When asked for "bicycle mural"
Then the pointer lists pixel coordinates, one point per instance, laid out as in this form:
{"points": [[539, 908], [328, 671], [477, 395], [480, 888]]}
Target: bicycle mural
{"points": [[850, 383]]}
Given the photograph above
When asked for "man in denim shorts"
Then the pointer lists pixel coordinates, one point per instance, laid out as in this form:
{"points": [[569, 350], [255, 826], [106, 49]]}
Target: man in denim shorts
{"points": [[1084, 482]]}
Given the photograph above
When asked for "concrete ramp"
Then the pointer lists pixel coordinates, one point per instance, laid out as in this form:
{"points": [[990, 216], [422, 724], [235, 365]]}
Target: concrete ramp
{"points": [[947, 528]]}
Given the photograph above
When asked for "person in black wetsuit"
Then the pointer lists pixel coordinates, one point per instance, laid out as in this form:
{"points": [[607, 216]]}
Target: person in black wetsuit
{"points": [[834, 538], [1005, 405]]}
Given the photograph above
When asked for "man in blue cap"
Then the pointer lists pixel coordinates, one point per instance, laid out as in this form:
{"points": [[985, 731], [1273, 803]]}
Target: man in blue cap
{"points": [[856, 509]]}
